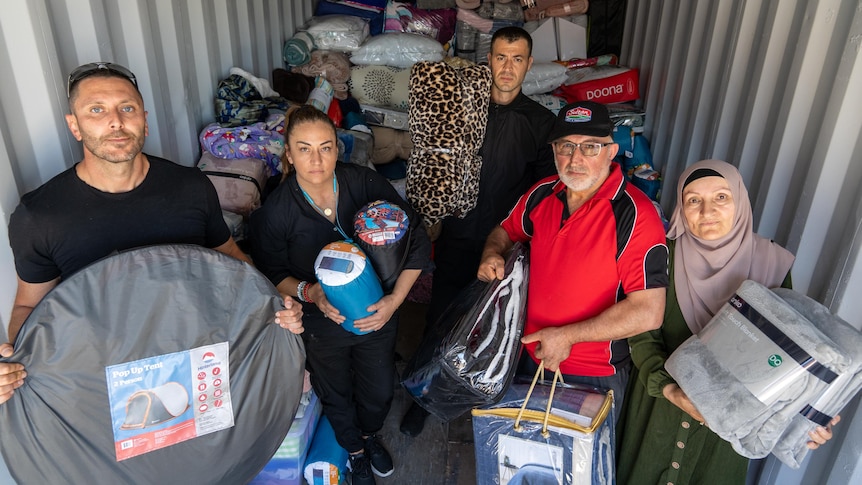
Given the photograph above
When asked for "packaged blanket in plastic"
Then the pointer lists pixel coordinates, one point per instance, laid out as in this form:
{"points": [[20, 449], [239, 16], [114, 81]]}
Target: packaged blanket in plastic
{"points": [[437, 24], [332, 66], [398, 49], [543, 77], [355, 147], [339, 28], [287, 464], [546, 434], [144, 367], [791, 447], [755, 366], [475, 28], [539, 9], [374, 15], [470, 356], [602, 84]]}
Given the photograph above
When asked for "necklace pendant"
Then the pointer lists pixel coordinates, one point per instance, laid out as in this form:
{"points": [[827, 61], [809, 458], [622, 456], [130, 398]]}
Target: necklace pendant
{"points": [[327, 212]]}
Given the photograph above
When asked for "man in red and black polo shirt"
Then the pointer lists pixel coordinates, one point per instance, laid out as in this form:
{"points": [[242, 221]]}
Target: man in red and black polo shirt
{"points": [[598, 264]]}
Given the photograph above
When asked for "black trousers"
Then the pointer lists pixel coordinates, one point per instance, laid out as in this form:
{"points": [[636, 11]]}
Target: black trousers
{"points": [[353, 375], [456, 264]]}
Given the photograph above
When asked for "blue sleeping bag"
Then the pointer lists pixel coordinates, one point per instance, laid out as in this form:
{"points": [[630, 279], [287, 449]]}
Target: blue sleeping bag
{"points": [[348, 280]]}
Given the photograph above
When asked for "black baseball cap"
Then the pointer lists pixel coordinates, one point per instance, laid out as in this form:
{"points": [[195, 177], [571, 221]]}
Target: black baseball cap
{"points": [[582, 118]]}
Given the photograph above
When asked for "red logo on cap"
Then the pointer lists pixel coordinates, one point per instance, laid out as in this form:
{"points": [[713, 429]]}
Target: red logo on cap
{"points": [[578, 115]]}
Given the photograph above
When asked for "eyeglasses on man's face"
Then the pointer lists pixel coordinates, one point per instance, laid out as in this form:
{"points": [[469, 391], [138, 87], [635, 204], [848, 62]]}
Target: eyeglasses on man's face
{"points": [[588, 149], [85, 70]]}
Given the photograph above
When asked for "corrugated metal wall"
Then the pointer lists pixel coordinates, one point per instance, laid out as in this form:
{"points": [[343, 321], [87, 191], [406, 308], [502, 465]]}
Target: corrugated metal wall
{"points": [[178, 50], [774, 87]]}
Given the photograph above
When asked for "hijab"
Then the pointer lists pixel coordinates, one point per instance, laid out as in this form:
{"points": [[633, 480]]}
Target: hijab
{"points": [[707, 273]]}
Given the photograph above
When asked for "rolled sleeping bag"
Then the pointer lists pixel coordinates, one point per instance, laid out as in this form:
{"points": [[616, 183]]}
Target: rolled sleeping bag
{"points": [[326, 459], [383, 232], [348, 281]]}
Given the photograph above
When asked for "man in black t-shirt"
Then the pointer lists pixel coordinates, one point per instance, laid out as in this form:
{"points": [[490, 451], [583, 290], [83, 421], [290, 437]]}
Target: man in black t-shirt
{"points": [[116, 198]]}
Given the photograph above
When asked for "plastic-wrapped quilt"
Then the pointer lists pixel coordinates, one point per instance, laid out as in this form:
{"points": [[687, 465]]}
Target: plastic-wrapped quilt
{"points": [[156, 365], [470, 356], [546, 434], [754, 367], [791, 448]]}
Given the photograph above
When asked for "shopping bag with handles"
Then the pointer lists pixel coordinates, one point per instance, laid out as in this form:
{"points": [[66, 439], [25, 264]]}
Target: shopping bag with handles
{"points": [[546, 434]]}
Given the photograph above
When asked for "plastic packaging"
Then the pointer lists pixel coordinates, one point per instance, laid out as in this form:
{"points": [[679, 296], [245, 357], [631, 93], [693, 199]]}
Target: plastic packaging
{"points": [[383, 231], [603, 60], [327, 460], [754, 366], [398, 49], [348, 280], [546, 434], [343, 33], [543, 77], [437, 24], [470, 356]]}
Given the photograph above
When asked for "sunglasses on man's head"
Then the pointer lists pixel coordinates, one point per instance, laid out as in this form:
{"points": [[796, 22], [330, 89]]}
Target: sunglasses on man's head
{"points": [[85, 70]]}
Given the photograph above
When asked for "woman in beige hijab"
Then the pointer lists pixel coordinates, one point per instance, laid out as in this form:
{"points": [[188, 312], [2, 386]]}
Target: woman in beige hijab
{"points": [[713, 249]]}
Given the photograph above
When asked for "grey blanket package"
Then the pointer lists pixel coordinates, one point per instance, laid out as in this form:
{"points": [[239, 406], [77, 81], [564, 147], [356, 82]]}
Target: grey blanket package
{"points": [[759, 363], [791, 448]]}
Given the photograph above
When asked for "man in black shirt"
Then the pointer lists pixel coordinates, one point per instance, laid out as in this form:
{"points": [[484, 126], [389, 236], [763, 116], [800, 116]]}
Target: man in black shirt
{"points": [[116, 198], [515, 154]]}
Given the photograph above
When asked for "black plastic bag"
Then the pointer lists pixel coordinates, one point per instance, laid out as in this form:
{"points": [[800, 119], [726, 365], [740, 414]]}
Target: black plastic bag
{"points": [[471, 354]]}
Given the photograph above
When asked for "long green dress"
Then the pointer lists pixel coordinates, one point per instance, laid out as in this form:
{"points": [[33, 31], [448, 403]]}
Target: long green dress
{"points": [[660, 443]]}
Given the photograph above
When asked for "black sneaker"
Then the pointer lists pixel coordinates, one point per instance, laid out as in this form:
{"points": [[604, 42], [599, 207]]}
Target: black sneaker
{"points": [[381, 461], [360, 470], [413, 420]]}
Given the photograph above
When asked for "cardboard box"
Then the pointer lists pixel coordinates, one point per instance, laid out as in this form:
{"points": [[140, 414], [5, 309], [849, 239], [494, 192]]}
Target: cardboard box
{"points": [[557, 39]]}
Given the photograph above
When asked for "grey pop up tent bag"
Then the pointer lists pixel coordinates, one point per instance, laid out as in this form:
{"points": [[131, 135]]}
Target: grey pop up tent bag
{"points": [[156, 365]]}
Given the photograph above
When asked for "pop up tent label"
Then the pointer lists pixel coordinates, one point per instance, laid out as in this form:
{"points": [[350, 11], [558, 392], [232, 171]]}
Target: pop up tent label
{"points": [[163, 400]]}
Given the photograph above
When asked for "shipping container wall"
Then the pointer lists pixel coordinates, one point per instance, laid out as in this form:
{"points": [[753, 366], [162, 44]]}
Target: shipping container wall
{"points": [[178, 50], [776, 89], [773, 87]]}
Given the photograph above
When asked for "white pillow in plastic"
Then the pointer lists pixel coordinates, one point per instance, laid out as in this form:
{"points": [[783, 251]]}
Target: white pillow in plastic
{"points": [[543, 77], [343, 33], [397, 49], [553, 103]]}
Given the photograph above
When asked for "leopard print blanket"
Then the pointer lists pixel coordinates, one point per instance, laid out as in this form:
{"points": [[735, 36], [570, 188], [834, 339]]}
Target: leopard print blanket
{"points": [[448, 111]]}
